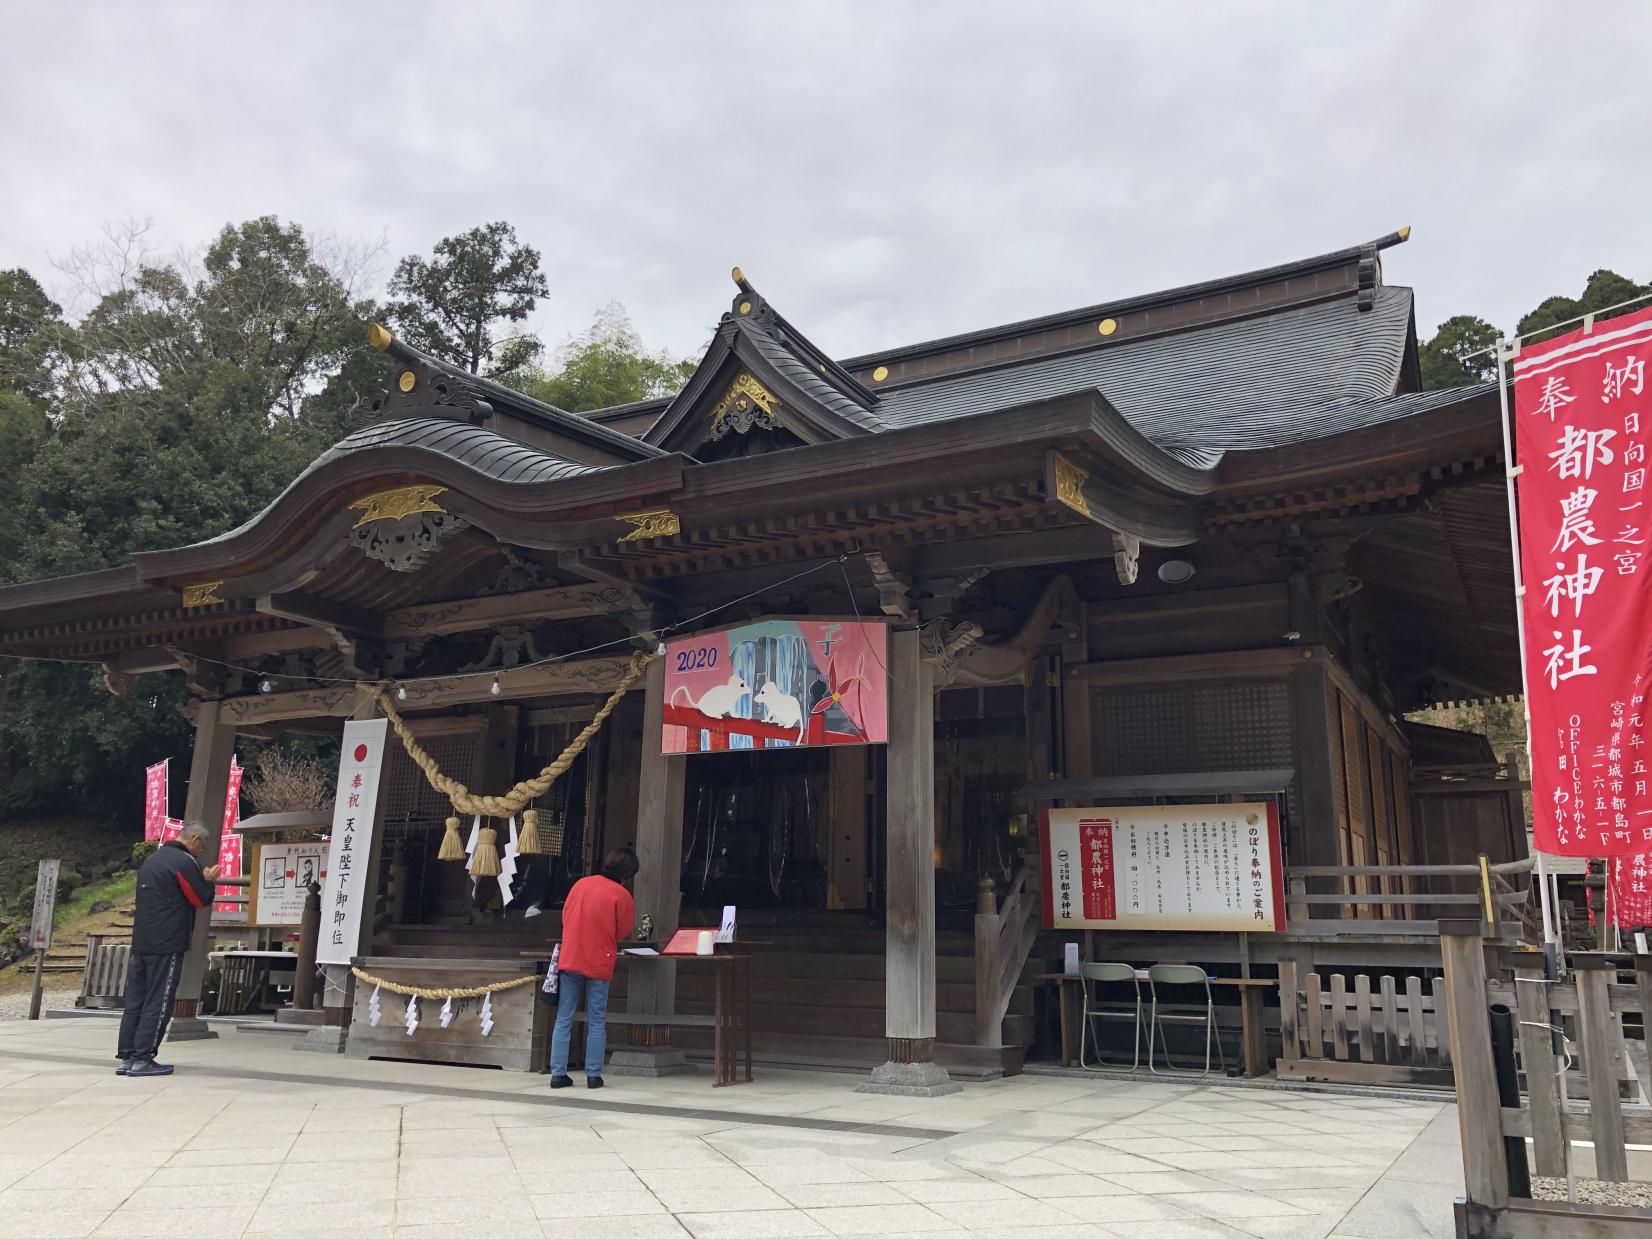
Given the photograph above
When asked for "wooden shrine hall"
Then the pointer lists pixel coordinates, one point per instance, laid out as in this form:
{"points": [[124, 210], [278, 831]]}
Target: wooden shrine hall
{"points": [[1198, 543]]}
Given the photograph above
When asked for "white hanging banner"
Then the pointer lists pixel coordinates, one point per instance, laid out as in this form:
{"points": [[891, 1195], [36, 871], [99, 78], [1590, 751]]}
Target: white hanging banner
{"points": [[446, 1015], [487, 1014], [507, 865], [374, 1010], [360, 761], [411, 1018]]}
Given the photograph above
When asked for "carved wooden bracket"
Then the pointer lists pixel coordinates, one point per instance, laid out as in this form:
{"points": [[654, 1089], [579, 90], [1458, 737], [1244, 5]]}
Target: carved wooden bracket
{"points": [[894, 590], [1126, 557]]}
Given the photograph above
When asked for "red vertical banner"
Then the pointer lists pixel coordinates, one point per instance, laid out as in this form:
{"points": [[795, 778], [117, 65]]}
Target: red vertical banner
{"points": [[1095, 845], [1582, 413], [229, 844], [155, 800], [1631, 890]]}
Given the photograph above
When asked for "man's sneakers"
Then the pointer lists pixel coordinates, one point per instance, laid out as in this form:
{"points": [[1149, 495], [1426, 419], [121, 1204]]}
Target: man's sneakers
{"points": [[593, 1081], [561, 1082], [147, 1067], [125, 1067]]}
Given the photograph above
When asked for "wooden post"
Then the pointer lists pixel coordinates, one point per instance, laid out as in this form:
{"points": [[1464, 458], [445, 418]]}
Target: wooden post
{"points": [[987, 965], [1479, 1113], [651, 986], [34, 993], [1600, 1065], [846, 859], [909, 942], [309, 933], [1531, 995], [208, 786]]}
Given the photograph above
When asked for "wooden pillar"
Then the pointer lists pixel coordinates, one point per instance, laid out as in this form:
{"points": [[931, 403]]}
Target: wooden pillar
{"points": [[909, 950], [651, 984], [846, 859], [1479, 1112], [204, 803], [1531, 994], [1316, 837]]}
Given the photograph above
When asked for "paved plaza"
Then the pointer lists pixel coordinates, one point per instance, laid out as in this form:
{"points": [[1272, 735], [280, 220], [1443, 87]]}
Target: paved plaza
{"points": [[250, 1139]]}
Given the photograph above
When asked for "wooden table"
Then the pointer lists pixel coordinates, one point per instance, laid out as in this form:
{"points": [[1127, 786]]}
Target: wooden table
{"points": [[1252, 1029], [730, 1020]]}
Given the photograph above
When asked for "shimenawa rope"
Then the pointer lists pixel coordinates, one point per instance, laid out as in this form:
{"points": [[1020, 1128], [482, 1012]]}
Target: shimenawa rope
{"points": [[420, 991], [484, 863]]}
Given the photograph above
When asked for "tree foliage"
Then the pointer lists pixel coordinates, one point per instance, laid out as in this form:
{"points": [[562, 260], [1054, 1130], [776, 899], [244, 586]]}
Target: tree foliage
{"points": [[1602, 290], [605, 365], [1459, 353], [453, 303]]}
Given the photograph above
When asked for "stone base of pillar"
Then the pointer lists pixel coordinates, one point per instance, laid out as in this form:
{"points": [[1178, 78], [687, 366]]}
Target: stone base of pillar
{"points": [[910, 1080], [189, 1028], [911, 1071], [329, 1039], [646, 1060], [290, 1016]]}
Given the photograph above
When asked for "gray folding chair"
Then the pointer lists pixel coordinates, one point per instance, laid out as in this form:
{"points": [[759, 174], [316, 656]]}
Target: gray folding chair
{"points": [[1179, 976], [1097, 1012]]}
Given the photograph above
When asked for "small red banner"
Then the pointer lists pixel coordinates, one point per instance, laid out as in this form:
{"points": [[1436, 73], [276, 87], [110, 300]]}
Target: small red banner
{"points": [[1631, 890], [1582, 417], [1095, 842]]}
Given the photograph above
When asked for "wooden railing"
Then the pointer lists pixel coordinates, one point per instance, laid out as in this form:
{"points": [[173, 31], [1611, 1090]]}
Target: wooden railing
{"points": [[1581, 1010], [1362, 898], [104, 982], [1004, 937]]}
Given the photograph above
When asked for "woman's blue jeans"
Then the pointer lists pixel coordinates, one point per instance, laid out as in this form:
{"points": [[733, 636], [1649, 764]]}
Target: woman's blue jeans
{"points": [[569, 987]]}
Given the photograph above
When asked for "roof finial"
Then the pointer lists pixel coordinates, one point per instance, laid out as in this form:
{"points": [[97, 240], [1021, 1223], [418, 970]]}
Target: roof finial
{"points": [[1404, 232], [379, 337], [741, 280]]}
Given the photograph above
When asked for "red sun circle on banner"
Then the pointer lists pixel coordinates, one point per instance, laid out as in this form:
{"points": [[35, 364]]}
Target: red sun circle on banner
{"points": [[361, 752]]}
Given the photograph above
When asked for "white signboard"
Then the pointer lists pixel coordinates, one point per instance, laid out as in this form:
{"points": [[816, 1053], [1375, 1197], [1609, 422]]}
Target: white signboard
{"points": [[1209, 867], [281, 876], [45, 904], [345, 891]]}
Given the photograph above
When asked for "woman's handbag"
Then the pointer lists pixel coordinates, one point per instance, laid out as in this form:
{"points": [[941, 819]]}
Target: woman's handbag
{"points": [[547, 987]]}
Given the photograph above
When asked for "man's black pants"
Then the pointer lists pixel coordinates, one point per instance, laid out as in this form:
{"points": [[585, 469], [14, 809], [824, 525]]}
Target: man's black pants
{"points": [[151, 987]]}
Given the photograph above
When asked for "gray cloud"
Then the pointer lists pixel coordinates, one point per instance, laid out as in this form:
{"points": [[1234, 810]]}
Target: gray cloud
{"points": [[885, 172]]}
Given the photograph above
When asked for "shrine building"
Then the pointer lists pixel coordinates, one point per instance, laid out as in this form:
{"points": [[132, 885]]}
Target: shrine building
{"points": [[1207, 545]]}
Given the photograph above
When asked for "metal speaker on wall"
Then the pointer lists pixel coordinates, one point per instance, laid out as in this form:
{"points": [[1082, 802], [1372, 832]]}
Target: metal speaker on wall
{"points": [[1176, 572]]}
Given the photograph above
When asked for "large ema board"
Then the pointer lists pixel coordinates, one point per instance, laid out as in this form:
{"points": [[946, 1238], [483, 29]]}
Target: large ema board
{"points": [[1208, 867], [779, 683]]}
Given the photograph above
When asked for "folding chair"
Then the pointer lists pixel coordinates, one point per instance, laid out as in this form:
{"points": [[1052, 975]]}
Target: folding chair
{"points": [[1096, 1012], [1179, 975]]}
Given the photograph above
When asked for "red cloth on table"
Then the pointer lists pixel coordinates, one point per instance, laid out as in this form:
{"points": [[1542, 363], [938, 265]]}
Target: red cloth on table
{"points": [[597, 917]]}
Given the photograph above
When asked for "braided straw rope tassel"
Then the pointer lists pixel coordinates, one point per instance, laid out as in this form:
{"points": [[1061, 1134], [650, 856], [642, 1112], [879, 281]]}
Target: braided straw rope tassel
{"points": [[512, 802], [527, 843], [484, 861]]}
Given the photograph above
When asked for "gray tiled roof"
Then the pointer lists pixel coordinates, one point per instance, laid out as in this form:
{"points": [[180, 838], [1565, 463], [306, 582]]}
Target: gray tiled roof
{"points": [[483, 450], [1261, 382], [807, 380]]}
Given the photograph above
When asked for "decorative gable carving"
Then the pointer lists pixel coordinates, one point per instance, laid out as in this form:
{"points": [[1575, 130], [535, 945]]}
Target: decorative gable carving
{"points": [[745, 405]]}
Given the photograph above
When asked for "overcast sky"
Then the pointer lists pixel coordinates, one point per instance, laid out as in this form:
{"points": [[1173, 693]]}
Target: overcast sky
{"points": [[884, 172]]}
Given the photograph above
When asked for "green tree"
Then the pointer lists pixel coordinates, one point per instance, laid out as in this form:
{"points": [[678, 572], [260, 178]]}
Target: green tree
{"points": [[1459, 353], [606, 364], [1604, 288], [451, 304], [182, 402], [30, 324]]}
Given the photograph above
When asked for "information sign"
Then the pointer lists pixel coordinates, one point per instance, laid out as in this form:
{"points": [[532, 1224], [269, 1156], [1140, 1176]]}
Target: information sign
{"points": [[345, 891], [45, 905], [281, 877]]}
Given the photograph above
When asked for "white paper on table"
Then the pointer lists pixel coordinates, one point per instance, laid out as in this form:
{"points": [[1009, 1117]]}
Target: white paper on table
{"points": [[1070, 959], [1640, 943], [639, 950], [726, 933]]}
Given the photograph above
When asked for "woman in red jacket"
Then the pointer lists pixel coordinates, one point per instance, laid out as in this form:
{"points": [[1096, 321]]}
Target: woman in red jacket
{"points": [[595, 920]]}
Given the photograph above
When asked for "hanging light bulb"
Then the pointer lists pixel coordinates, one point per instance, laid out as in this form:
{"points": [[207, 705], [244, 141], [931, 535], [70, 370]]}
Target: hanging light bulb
{"points": [[495, 689], [401, 692], [264, 685]]}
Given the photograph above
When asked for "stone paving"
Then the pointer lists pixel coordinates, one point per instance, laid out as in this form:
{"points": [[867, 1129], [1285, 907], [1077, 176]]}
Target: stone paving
{"points": [[250, 1139]]}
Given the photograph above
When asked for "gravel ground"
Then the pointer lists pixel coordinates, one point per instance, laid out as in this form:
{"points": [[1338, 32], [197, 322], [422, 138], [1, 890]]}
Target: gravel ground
{"points": [[16, 1006], [1594, 1192]]}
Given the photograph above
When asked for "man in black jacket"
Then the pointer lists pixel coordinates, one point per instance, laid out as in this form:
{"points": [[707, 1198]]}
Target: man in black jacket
{"points": [[172, 886]]}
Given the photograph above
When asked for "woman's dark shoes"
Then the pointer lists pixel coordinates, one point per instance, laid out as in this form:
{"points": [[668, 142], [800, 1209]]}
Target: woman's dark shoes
{"points": [[593, 1081], [561, 1082]]}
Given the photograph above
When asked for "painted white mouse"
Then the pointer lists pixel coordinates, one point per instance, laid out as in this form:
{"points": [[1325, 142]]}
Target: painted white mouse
{"points": [[718, 701], [783, 709]]}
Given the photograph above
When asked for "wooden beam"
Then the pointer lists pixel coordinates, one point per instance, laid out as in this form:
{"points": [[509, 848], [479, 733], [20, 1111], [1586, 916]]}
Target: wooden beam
{"points": [[594, 676], [563, 602], [337, 617]]}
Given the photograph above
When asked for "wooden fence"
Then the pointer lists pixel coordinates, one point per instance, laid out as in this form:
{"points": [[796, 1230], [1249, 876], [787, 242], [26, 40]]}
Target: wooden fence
{"points": [[1408, 900], [1590, 1002], [104, 982], [1389, 1033]]}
